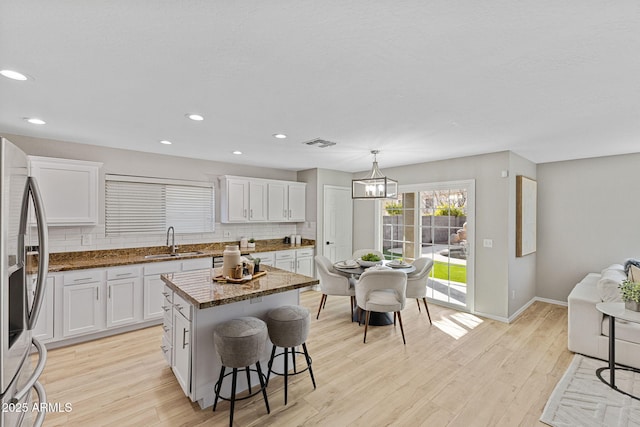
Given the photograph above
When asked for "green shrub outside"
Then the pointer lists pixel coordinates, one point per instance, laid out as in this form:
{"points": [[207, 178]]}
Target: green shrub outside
{"points": [[450, 210]]}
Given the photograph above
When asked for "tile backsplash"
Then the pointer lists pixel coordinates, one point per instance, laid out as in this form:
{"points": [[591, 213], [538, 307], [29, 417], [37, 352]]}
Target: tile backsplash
{"points": [[76, 239]]}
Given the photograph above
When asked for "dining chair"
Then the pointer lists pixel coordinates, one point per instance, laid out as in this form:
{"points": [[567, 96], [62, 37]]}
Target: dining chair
{"points": [[359, 252], [382, 291], [417, 282], [333, 283]]}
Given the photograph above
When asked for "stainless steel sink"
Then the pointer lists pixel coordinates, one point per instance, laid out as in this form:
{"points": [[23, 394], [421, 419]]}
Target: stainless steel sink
{"points": [[175, 255]]}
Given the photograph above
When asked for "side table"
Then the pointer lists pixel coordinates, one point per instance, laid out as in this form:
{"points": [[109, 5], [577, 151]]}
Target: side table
{"points": [[616, 310]]}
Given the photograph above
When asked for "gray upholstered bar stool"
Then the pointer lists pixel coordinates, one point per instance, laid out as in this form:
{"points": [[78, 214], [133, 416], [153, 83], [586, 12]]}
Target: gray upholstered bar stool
{"points": [[240, 343], [288, 328]]}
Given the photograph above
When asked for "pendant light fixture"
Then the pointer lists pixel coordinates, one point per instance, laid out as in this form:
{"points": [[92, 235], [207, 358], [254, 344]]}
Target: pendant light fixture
{"points": [[375, 185]]}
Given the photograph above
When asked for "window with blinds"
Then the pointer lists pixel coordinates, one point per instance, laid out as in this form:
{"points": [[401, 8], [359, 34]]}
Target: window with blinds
{"points": [[148, 205]]}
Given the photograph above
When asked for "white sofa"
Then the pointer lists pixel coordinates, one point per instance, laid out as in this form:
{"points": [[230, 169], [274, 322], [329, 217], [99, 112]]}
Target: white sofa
{"points": [[589, 328]]}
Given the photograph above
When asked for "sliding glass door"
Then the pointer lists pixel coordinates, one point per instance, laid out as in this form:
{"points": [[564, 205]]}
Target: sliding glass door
{"points": [[434, 221]]}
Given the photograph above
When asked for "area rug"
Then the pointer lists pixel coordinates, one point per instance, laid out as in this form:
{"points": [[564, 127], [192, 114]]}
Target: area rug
{"points": [[581, 399]]}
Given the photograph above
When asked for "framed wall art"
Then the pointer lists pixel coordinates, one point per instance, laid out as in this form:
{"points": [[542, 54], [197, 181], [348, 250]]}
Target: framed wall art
{"points": [[526, 195]]}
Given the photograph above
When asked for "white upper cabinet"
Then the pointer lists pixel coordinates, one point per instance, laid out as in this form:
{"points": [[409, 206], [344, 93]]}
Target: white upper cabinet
{"points": [[234, 200], [297, 201], [258, 200], [69, 189], [287, 201]]}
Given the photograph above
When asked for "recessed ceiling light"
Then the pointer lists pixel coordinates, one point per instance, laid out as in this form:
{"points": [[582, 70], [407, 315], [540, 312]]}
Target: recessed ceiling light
{"points": [[165, 142], [35, 121], [237, 152], [279, 135], [195, 117], [10, 74]]}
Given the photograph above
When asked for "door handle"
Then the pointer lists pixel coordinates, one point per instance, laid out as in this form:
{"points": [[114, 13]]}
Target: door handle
{"points": [[330, 243], [184, 338]]}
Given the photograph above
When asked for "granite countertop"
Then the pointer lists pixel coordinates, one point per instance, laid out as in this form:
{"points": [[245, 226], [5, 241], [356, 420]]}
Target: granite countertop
{"points": [[68, 261], [198, 288]]}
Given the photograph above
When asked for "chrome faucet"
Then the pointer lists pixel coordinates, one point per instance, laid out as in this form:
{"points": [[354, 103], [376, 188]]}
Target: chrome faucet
{"points": [[173, 239]]}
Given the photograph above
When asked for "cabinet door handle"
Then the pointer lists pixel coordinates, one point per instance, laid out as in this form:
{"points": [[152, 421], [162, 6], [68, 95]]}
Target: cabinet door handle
{"points": [[289, 213], [82, 279], [166, 329], [244, 213], [164, 349], [250, 213], [165, 294], [97, 294], [179, 307], [184, 338], [109, 289], [284, 213], [123, 274], [165, 308]]}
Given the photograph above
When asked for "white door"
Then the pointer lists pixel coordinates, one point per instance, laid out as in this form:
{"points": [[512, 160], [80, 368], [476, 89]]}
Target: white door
{"points": [[337, 223]]}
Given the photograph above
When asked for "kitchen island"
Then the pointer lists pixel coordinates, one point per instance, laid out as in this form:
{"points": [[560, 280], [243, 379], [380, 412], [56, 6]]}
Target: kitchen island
{"points": [[195, 305]]}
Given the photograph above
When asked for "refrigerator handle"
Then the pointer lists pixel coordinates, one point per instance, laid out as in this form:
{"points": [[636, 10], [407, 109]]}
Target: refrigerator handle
{"points": [[42, 399], [42, 350], [43, 256]]}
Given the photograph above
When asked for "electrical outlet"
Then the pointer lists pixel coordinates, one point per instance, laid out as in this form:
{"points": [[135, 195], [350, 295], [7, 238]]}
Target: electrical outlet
{"points": [[227, 234], [513, 294], [487, 243], [87, 239]]}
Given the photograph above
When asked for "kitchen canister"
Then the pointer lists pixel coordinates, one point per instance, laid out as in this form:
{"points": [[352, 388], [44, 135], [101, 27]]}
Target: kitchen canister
{"points": [[292, 239], [230, 259], [244, 242], [298, 240]]}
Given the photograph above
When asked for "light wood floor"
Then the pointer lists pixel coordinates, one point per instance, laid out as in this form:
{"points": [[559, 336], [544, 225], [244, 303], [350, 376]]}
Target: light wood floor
{"points": [[460, 371]]}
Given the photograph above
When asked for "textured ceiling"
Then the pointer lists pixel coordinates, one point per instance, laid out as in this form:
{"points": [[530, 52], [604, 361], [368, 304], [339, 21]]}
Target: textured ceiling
{"points": [[418, 80]]}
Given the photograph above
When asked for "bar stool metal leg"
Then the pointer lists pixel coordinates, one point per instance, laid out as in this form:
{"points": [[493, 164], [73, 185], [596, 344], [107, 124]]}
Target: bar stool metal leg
{"points": [[306, 356], [264, 387], [233, 395], [217, 387], [286, 373]]}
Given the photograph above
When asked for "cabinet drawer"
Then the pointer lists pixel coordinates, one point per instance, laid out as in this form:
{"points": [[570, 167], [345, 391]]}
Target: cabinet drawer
{"points": [[168, 295], [282, 255], [196, 264], [182, 306], [167, 350], [161, 267], [168, 332], [122, 272], [83, 276], [300, 253]]}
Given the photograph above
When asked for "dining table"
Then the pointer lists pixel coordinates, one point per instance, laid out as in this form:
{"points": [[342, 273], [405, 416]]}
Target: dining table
{"points": [[375, 318]]}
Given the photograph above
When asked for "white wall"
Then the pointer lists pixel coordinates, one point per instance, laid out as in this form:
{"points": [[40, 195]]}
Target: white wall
{"points": [[316, 179], [128, 162], [588, 218], [522, 271], [492, 218]]}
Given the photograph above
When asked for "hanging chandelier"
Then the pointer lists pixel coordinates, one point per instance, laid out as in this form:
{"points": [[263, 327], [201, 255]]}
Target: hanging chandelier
{"points": [[375, 185]]}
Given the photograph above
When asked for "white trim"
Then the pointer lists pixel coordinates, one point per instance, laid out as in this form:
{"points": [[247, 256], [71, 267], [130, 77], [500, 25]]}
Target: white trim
{"points": [[152, 180], [552, 301]]}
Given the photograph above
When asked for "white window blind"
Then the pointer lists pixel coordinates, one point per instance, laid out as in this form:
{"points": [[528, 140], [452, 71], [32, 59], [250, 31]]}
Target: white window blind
{"points": [[149, 205]]}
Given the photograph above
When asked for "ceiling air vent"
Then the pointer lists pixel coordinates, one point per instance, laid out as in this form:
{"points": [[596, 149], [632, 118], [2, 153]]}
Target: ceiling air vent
{"points": [[320, 143]]}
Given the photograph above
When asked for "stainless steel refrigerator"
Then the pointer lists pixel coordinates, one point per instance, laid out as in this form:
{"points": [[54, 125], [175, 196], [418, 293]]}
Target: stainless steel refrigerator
{"points": [[18, 309]]}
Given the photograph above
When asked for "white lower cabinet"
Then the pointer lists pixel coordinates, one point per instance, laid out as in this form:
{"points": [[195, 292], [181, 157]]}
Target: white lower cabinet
{"points": [[82, 308], [304, 262], [286, 260], [154, 286], [297, 261], [44, 326], [124, 298], [182, 351]]}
